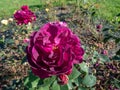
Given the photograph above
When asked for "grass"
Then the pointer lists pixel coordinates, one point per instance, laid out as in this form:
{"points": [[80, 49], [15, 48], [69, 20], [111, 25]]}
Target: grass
{"points": [[7, 7], [107, 8]]}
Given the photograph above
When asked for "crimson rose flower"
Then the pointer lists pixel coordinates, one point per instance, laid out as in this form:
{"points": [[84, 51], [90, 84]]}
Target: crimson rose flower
{"points": [[24, 16], [53, 50]]}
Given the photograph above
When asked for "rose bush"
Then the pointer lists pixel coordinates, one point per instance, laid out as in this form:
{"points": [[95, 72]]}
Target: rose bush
{"points": [[53, 50], [24, 16]]}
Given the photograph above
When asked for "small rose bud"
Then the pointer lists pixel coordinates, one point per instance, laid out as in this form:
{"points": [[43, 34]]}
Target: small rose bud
{"points": [[63, 79], [97, 64], [26, 40], [99, 27], [105, 52]]}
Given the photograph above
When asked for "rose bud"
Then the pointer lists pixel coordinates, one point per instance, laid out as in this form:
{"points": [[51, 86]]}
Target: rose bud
{"points": [[63, 79], [99, 27], [26, 40], [105, 52]]}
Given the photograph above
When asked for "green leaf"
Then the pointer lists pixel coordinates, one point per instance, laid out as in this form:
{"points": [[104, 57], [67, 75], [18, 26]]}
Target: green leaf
{"points": [[35, 82], [31, 88], [64, 87], [84, 67], [82, 88], [76, 81], [55, 86], [70, 86], [31, 81], [26, 80], [94, 60], [107, 37], [43, 88], [116, 82], [89, 80], [86, 56], [118, 15], [1, 41], [41, 82], [118, 52], [49, 81], [80, 80], [95, 57], [117, 57], [92, 88], [75, 73], [24, 59], [117, 40], [95, 54], [117, 85], [9, 41], [85, 1], [104, 58], [1, 53], [105, 29]]}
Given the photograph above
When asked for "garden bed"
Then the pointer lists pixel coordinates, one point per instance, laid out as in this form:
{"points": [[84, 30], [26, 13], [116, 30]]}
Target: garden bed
{"points": [[13, 65]]}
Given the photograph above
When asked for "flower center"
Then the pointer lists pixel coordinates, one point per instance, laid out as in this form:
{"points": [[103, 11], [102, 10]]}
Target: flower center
{"points": [[55, 47]]}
